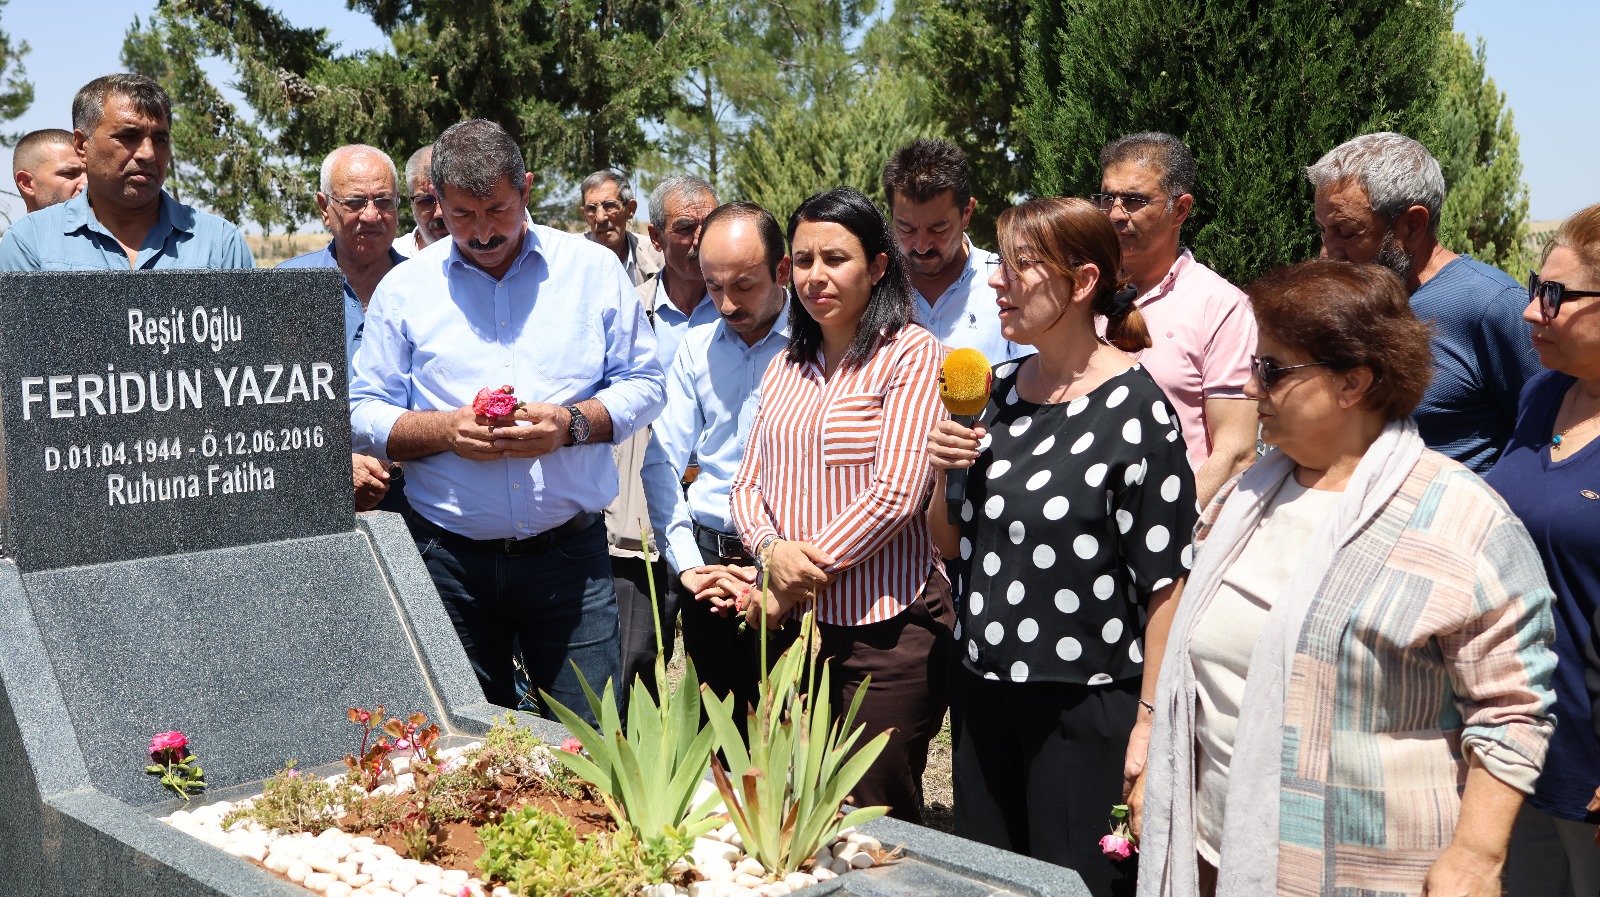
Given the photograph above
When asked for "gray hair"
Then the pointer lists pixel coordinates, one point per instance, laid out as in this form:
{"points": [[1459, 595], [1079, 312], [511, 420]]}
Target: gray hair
{"points": [[88, 106], [606, 175], [1396, 171], [1158, 149], [332, 161], [679, 186], [474, 156], [414, 165]]}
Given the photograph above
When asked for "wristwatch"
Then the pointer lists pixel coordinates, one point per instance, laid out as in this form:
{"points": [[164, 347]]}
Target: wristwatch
{"points": [[578, 430]]}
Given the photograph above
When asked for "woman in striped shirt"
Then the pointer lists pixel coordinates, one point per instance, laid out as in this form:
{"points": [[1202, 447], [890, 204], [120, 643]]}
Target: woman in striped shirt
{"points": [[830, 495]]}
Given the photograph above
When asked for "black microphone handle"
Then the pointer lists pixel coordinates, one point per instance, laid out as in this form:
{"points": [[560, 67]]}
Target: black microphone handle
{"points": [[955, 480]]}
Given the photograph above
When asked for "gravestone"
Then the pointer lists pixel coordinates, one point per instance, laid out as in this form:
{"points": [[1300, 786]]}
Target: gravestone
{"points": [[181, 552]]}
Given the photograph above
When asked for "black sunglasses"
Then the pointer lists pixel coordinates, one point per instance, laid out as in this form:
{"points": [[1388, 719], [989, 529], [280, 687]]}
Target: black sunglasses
{"points": [[1551, 293], [1269, 373]]}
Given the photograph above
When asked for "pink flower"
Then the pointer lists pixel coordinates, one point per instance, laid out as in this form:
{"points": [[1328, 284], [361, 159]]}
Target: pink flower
{"points": [[1116, 846], [572, 746], [169, 741], [494, 403]]}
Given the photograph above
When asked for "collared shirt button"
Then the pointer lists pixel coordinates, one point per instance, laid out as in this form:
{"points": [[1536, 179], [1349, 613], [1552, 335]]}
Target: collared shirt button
{"points": [[516, 485], [502, 323]]}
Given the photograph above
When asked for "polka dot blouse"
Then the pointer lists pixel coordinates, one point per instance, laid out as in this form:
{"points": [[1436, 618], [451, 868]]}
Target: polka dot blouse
{"points": [[1076, 512]]}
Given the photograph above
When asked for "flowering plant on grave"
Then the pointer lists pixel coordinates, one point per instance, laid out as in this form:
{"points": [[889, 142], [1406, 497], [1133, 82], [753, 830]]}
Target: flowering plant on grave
{"points": [[175, 765], [1121, 843], [495, 402]]}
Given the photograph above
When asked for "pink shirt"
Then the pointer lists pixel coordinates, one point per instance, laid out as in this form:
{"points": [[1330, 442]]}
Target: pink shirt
{"points": [[1202, 334]]}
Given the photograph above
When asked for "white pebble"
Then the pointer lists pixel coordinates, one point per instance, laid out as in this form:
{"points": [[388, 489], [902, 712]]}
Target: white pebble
{"points": [[717, 869], [711, 888], [750, 866], [724, 833], [862, 861], [425, 872], [320, 860], [278, 862], [402, 882], [798, 880], [360, 858], [746, 880], [339, 889], [823, 873], [776, 889], [425, 889], [317, 881], [297, 871], [455, 878], [845, 851], [501, 891], [660, 890], [362, 842], [712, 849], [867, 842], [359, 881]]}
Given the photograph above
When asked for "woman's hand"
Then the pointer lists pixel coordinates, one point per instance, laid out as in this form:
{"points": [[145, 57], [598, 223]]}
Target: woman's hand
{"points": [[952, 446], [796, 567], [1133, 764], [1460, 872]]}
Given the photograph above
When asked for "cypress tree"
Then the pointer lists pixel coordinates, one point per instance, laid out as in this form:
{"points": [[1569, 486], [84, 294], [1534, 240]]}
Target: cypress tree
{"points": [[1258, 89]]}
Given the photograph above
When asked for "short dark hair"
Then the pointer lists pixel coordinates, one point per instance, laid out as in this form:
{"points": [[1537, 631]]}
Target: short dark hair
{"points": [[1348, 316], [923, 169], [32, 146], [889, 305], [766, 226], [88, 107], [1158, 149], [474, 156]]}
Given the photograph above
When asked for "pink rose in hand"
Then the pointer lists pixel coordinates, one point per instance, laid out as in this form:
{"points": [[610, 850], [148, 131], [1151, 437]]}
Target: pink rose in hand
{"points": [[494, 403], [169, 741], [1116, 847]]}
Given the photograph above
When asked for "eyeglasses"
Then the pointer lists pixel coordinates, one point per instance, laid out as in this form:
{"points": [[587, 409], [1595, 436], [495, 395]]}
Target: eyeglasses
{"points": [[1132, 203], [1013, 268], [1269, 373], [1551, 294], [610, 206], [355, 205], [424, 200]]}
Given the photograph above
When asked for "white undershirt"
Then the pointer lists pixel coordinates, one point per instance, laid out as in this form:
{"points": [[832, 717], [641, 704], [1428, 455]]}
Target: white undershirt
{"points": [[1227, 634]]}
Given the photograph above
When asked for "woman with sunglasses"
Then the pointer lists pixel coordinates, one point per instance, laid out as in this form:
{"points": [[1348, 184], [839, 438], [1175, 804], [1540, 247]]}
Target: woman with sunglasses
{"points": [[1070, 548], [1550, 476], [1355, 695]]}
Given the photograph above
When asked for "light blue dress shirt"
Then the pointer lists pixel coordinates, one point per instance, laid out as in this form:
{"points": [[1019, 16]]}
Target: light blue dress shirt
{"points": [[67, 237], [561, 326], [354, 315], [671, 324], [966, 315], [713, 391]]}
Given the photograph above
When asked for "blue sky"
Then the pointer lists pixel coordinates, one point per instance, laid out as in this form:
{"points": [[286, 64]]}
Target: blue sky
{"points": [[1539, 55]]}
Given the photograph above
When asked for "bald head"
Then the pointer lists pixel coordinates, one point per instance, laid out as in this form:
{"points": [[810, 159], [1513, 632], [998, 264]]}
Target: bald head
{"points": [[46, 168], [360, 203], [355, 153]]}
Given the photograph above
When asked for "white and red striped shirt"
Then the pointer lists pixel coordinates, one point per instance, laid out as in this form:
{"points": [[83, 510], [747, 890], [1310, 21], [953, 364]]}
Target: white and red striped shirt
{"points": [[842, 463]]}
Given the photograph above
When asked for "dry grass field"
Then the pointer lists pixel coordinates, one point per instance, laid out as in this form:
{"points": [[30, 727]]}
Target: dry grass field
{"points": [[270, 250]]}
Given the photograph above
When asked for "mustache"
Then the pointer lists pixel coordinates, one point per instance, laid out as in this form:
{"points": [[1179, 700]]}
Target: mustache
{"points": [[494, 243]]}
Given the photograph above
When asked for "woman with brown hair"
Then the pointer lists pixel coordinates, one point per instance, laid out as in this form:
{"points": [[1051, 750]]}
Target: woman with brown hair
{"points": [[1072, 541], [1356, 691]]}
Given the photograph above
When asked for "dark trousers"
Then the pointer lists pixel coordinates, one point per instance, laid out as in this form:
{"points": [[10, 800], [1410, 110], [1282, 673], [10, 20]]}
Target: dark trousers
{"points": [[908, 658], [557, 606], [637, 615], [1038, 767], [726, 660]]}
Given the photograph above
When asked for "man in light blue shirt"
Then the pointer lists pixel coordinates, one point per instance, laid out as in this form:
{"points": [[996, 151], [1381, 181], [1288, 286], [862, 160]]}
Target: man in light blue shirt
{"points": [[360, 204], [930, 205], [674, 300], [506, 511], [123, 220], [713, 390]]}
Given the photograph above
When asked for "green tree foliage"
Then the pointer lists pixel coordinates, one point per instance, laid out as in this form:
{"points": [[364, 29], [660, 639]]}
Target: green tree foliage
{"points": [[812, 100], [969, 52], [1486, 211], [17, 94], [571, 80], [1257, 88]]}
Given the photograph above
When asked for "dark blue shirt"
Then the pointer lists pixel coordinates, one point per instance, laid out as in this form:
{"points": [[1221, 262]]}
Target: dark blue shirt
{"points": [[1482, 356], [1559, 503]]}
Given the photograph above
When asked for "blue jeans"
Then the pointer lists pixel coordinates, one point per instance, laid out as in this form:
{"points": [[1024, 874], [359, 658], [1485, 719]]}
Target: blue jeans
{"points": [[558, 606]]}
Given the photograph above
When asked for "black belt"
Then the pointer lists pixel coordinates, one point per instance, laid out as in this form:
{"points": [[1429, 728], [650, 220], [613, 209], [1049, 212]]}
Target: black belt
{"points": [[422, 526], [726, 546]]}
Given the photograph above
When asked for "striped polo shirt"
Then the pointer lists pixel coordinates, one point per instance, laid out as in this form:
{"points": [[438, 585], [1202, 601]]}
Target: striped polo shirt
{"points": [[842, 463]]}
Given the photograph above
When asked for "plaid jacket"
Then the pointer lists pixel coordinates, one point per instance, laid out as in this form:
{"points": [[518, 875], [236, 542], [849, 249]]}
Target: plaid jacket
{"points": [[1430, 635]]}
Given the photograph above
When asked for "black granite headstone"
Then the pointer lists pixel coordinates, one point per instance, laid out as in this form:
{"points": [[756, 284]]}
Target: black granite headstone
{"points": [[163, 412]]}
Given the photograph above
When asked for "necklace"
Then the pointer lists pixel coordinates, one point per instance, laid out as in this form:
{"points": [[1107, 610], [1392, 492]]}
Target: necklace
{"points": [[1555, 441]]}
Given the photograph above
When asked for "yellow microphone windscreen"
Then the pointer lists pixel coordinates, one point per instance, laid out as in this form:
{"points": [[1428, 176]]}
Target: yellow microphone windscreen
{"points": [[964, 382]]}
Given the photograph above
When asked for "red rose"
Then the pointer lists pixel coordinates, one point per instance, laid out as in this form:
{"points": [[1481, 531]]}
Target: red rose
{"points": [[169, 741], [494, 403], [572, 746]]}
